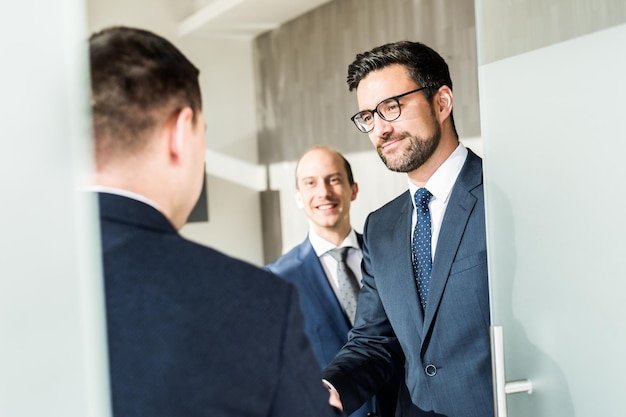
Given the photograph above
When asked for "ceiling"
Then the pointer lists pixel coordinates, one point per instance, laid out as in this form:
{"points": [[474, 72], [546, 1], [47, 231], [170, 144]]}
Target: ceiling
{"points": [[240, 18]]}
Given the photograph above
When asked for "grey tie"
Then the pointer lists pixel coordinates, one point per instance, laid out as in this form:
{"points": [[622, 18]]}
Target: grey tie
{"points": [[348, 285]]}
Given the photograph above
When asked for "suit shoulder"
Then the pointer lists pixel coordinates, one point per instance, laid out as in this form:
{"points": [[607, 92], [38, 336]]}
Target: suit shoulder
{"points": [[290, 259], [287, 265], [235, 271], [394, 205], [471, 176]]}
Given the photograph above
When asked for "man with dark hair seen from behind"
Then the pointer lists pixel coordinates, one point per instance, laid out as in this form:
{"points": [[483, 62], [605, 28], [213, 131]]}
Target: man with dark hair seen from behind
{"points": [[425, 300], [191, 332]]}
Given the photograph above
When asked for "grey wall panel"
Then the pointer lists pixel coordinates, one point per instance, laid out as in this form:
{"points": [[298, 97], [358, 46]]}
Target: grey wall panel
{"points": [[272, 241], [511, 27], [302, 97]]}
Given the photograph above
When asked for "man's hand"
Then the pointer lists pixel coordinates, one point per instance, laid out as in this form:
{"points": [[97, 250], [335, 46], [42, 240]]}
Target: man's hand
{"points": [[333, 395]]}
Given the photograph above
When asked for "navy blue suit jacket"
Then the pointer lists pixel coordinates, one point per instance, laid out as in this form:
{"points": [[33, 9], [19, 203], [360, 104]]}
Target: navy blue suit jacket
{"points": [[326, 324], [447, 350], [193, 332]]}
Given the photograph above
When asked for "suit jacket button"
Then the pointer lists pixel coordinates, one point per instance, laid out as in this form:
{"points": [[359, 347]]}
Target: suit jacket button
{"points": [[431, 370]]}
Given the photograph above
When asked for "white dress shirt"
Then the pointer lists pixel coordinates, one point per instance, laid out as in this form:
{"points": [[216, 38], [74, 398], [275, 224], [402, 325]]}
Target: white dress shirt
{"points": [[440, 185], [322, 246], [123, 193]]}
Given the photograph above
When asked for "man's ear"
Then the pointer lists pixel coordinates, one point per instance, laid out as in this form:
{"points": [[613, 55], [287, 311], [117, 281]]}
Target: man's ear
{"points": [[355, 191], [180, 129], [299, 202], [445, 100]]}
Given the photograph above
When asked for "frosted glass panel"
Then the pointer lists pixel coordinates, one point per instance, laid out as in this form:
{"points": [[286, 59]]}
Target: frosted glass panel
{"points": [[52, 335], [554, 136]]}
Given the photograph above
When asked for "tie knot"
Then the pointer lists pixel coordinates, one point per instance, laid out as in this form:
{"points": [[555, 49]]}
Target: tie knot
{"points": [[339, 254], [422, 198]]}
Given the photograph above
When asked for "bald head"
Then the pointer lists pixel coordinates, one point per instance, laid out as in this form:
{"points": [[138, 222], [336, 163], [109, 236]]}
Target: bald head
{"points": [[325, 189], [317, 151]]}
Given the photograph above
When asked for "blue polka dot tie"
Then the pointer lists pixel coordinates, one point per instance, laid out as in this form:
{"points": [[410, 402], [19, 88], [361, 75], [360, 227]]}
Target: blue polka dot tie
{"points": [[421, 251], [348, 290]]}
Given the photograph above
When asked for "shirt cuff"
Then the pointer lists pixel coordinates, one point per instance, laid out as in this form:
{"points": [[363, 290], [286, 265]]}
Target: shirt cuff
{"points": [[329, 386]]}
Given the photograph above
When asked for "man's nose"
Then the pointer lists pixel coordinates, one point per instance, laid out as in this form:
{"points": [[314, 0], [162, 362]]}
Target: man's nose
{"points": [[324, 188], [382, 128]]}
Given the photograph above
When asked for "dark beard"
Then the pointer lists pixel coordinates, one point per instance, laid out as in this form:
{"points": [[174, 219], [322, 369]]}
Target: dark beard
{"points": [[418, 152]]}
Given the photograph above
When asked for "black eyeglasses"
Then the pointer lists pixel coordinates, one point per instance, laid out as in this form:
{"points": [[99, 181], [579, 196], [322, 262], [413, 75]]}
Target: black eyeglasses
{"points": [[388, 110]]}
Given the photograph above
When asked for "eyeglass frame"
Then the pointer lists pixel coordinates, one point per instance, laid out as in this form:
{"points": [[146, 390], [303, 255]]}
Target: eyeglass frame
{"points": [[375, 111]]}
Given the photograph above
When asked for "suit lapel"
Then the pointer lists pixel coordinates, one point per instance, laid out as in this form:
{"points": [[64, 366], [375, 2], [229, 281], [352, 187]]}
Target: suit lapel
{"points": [[401, 255], [317, 284], [459, 208]]}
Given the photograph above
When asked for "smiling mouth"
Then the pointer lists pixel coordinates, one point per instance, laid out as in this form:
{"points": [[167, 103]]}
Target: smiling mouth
{"points": [[391, 142], [327, 206]]}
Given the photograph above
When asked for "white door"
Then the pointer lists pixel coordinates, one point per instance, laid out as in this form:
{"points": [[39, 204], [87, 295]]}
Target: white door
{"points": [[554, 130]]}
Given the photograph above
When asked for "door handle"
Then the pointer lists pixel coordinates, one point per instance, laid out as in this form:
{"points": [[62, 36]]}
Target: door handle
{"points": [[500, 387]]}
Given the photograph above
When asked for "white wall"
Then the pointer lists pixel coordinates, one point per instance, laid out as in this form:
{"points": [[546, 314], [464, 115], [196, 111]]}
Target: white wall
{"points": [[227, 83]]}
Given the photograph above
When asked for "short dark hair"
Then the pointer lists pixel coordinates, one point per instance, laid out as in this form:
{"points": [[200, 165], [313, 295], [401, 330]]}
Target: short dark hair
{"points": [[424, 65], [139, 80], [346, 165]]}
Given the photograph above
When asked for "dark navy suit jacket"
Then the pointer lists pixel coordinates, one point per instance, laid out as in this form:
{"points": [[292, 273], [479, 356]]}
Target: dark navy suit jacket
{"points": [[447, 350], [193, 332], [326, 324]]}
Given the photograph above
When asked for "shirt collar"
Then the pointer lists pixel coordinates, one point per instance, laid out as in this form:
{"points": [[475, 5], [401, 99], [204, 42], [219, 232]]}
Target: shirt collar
{"points": [[123, 193], [321, 245], [441, 182]]}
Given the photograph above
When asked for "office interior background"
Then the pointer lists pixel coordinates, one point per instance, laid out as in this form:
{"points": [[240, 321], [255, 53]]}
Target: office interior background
{"points": [[273, 81]]}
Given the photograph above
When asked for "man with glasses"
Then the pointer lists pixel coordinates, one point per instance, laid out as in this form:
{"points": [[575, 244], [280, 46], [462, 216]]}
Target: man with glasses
{"points": [[424, 303]]}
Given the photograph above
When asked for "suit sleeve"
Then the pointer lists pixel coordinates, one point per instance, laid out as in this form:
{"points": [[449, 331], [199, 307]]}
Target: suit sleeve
{"points": [[372, 355], [299, 391]]}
